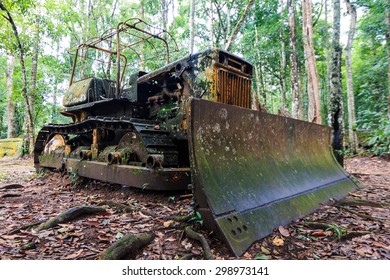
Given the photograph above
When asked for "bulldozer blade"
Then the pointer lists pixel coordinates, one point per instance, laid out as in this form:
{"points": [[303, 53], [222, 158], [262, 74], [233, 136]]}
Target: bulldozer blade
{"points": [[253, 171]]}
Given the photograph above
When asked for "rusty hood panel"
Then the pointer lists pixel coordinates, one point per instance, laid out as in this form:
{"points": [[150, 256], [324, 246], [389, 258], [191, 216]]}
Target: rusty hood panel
{"points": [[253, 171]]}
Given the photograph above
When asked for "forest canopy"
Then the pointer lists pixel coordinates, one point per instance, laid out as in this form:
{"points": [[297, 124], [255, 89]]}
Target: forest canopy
{"points": [[293, 45]]}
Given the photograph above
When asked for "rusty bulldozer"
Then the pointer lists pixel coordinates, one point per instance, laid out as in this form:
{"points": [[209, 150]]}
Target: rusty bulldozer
{"points": [[189, 125]]}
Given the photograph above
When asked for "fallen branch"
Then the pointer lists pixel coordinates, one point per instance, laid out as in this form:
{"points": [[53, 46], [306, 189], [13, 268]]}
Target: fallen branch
{"points": [[127, 247], [362, 202], [11, 187], [199, 237], [69, 215]]}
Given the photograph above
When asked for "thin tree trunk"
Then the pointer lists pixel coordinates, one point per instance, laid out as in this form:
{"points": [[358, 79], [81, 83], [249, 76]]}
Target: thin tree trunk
{"points": [[259, 71], [294, 75], [328, 55], [11, 133], [34, 66], [283, 59], [313, 91], [348, 59], [336, 107], [192, 25], [142, 16], [211, 23], [29, 117], [237, 28], [388, 58]]}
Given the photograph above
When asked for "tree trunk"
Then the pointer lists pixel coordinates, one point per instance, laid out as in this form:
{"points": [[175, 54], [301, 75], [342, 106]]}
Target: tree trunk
{"points": [[211, 24], [313, 91], [192, 25], [328, 56], [353, 141], [237, 27], [29, 118], [259, 72], [142, 16], [11, 133], [283, 60], [388, 59], [34, 66], [336, 107], [294, 74]]}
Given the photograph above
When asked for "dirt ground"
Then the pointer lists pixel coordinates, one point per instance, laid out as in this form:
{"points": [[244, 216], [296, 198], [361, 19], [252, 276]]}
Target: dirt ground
{"points": [[27, 199]]}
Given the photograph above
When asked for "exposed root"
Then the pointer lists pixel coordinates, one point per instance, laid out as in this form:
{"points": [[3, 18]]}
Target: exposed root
{"points": [[25, 227], [11, 187], [199, 237], [11, 195], [187, 257], [69, 215], [127, 247], [362, 202], [353, 234], [364, 216], [128, 209], [118, 206]]}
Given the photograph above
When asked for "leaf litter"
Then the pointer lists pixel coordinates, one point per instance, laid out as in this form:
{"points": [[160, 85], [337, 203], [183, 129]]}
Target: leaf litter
{"points": [[46, 195]]}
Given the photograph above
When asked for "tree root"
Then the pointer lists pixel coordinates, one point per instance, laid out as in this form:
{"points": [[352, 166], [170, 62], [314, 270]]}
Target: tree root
{"points": [[199, 237], [11, 187], [362, 202], [128, 209], [119, 206], [187, 257], [69, 215], [11, 195], [342, 234], [364, 216], [127, 247], [31, 225]]}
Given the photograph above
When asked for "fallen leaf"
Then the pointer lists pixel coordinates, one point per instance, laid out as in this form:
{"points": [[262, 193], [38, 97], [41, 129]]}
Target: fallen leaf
{"points": [[260, 256], [265, 250], [355, 194], [278, 241], [74, 255], [187, 245], [284, 231], [170, 239], [63, 229], [168, 223]]}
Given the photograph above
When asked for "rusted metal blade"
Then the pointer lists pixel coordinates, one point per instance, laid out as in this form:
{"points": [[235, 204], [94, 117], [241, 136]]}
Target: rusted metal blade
{"points": [[254, 171]]}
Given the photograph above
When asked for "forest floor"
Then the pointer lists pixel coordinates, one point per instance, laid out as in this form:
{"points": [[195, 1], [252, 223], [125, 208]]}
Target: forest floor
{"points": [[333, 232]]}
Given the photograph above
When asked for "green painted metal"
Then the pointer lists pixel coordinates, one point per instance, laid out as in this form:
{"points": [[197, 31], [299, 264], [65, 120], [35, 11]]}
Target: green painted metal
{"points": [[253, 171]]}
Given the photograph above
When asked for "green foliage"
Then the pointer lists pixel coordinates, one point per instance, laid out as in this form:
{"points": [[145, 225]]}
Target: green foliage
{"points": [[65, 24], [197, 218]]}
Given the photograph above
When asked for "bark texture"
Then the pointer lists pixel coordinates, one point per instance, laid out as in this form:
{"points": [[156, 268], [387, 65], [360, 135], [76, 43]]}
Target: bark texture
{"points": [[313, 91], [294, 74], [11, 132], [353, 141], [127, 247], [336, 107]]}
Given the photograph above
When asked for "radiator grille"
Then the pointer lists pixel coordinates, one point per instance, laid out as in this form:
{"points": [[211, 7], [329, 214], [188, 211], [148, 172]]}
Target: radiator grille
{"points": [[233, 89]]}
